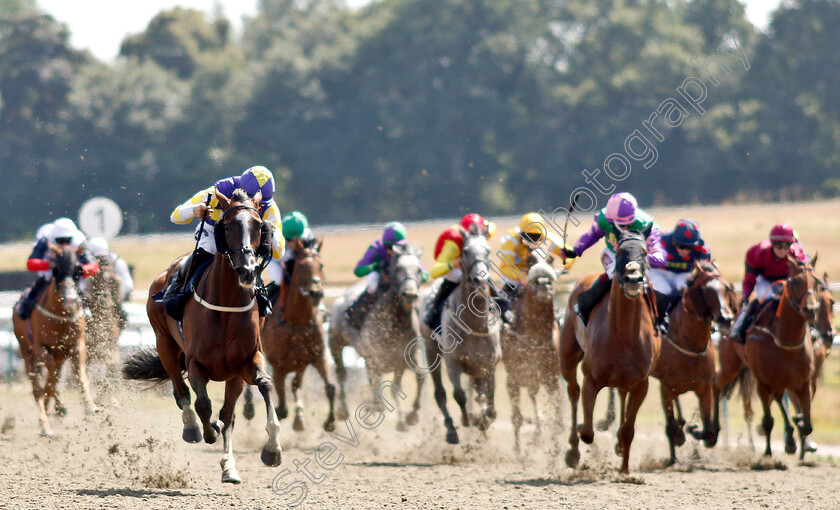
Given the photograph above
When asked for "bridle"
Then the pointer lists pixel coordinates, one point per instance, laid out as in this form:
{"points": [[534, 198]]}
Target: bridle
{"points": [[247, 249], [798, 305]]}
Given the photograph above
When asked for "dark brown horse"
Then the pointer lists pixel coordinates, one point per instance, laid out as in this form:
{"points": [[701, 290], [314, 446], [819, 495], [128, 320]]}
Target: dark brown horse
{"points": [[531, 350], [54, 331], [780, 354], [219, 337], [687, 359], [618, 348], [294, 338]]}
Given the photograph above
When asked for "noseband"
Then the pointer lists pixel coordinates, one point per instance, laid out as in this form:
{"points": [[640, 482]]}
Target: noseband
{"points": [[246, 250]]}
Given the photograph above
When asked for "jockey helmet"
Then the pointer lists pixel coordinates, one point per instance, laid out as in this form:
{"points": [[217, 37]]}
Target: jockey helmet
{"points": [[532, 223], [474, 223], [63, 228], [621, 209], [43, 231], [294, 224], [394, 233], [686, 233], [782, 232], [97, 246], [257, 178]]}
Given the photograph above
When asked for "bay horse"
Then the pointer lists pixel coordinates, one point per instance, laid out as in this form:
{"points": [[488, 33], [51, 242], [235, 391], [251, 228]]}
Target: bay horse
{"points": [[106, 322], [779, 353], [389, 326], [293, 337], [468, 340], [54, 331], [532, 347], [219, 337], [687, 358], [618, 347]]}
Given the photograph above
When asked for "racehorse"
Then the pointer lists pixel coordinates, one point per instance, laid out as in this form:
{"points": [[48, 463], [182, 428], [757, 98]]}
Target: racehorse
{"points": [[618, 347], [106, 321], [469, 338], [55, 330], [531, 348], [219, 337], [294, 338], [779, 352], [687, 359], [389, 326]]}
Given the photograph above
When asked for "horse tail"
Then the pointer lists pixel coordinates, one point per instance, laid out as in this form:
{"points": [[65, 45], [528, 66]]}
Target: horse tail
{"points": [[145, 365], [745, 382]]}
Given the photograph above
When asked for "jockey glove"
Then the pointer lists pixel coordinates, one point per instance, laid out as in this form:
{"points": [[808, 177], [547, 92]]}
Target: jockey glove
{"points": [[569, 253]]}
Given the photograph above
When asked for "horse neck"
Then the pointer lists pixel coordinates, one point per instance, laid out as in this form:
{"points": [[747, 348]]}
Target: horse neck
{"points": [[790, 324], [53, 303], [695, 331], [468, 316], [624, 312], [300, 310], [220, 284]]}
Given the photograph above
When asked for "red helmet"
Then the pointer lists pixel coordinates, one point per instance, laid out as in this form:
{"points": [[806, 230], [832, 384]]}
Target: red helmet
{"points": [[469, 220], [782, 232]]}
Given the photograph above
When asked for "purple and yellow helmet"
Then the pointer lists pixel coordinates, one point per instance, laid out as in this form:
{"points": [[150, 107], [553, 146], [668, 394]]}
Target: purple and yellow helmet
{"points": [[394, 233], [257, 178]]}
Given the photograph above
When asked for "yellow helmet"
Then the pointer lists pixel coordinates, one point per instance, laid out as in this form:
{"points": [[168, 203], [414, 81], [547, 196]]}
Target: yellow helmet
{"points": [[532, 223]]}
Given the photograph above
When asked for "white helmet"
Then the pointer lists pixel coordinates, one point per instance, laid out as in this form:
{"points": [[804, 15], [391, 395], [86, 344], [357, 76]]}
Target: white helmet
{"points": [[43, 231], [63, 227], [97, 246]]}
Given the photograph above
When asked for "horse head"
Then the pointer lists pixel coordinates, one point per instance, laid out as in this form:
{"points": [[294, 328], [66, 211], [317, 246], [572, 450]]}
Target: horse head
{"points": [[242, 235], [631, 263], [540, 280], [707, 294], [825, 317], [308, 273], [801, 288], [66, 271], [405, 275], [475, 261]]}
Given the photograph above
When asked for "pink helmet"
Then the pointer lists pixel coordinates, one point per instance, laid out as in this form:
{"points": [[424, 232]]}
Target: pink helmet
{"points": [[621, 209], [782, 232]]}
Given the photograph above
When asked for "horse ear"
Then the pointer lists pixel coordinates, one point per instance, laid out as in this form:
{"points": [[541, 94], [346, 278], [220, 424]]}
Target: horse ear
{"points": [[80, 250], [463, 231], [257, 199], [814, 260], [319, 242], [53, 248], [224, 202], [825, 278]]}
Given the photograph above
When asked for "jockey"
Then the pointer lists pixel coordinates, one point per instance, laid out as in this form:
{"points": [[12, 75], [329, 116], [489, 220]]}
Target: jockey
{"points": [[98, 247], [682, 247], [253, 180], [766, 268], [621, 214], [376, 258], [447, 261], [295, 226], [517, 245], [61, 232]]}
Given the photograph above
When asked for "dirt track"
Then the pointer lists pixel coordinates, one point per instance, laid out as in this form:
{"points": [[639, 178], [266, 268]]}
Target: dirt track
{"points": [[132, 456]]}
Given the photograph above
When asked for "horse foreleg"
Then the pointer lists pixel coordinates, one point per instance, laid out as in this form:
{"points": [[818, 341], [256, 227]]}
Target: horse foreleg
{"points": [[433, 355], [590, 391], [329, 388], [710, 434], [609, 419], [622, 409], [513, 390], [413, 417], [802, 400], [50, 388], [790, 441], [628, 423], [255, 374], [401, 426], [170, 357], [767, 421], [203, 407], [280, 386], [41, 394], [336, 347], [537, 415], [454, 370], [297, 382], [573, 391], [671, 424], [79, 359], [233, 388]]}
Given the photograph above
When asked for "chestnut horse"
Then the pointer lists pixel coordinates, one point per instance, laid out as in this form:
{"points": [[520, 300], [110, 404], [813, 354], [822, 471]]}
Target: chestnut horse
{"points": [[618, 348], [532, 347], [55, 330], [294, 338], [780, 354], [687, 359], [219, 337]]}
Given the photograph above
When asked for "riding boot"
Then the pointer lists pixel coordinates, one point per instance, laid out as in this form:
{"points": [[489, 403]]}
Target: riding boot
{"points": [[743, 322], [357, 312], [180, 282], [432, 318], [663, 305], [31, 297], [587, 299]]}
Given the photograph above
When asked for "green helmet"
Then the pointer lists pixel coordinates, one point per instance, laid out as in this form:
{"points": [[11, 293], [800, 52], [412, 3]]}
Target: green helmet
{"points": [[394, 234], [294, 224]]}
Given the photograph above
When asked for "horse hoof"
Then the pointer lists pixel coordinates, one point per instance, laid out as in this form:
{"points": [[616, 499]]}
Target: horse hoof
{"points": [[91, 410], [192, 435], [46, 433], [341, 414], [297, 426], [282, 413], [329, 426], [401, 427], [572, 458], [60, 411], [618, 449], [482, 425], [412, 418], [810, 447], [490, 413], [231, 476], [452, 437], [587, 437], [211, 435], [790, 447], [271, 458]]}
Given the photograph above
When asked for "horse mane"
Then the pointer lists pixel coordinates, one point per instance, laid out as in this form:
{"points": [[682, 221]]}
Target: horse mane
{"points": [[541, 269]]}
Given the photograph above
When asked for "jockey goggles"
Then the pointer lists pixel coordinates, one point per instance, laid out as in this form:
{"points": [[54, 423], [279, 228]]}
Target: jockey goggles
{"points": [[63, 240], [782, 245], [681, 246]]}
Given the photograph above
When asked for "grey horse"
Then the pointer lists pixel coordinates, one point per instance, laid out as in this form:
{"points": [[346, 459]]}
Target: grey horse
{"points": [[391, 324], [468, 339]]}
